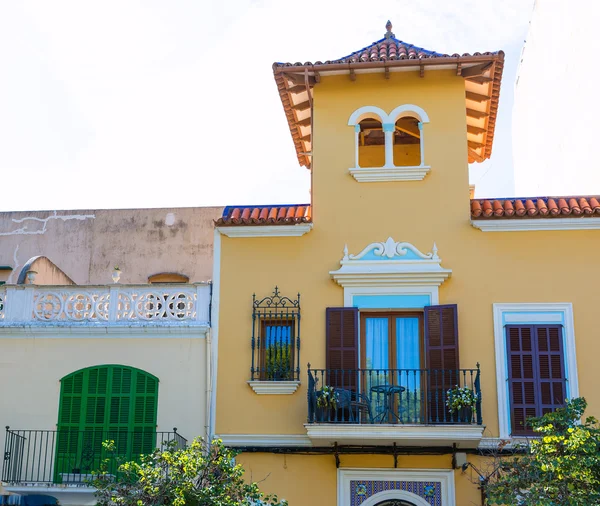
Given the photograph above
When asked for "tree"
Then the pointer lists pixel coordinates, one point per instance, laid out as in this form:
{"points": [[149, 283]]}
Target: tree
{"points": [[198, 475], [560, 468]]}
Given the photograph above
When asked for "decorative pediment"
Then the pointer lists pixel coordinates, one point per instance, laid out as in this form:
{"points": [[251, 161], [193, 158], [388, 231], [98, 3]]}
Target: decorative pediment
{"points": [[391, 263]]}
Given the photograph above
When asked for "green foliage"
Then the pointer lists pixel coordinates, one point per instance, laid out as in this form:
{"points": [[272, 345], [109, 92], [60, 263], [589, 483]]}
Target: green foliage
{"points": [[460, 397], [327, 397], [560, 468], [199, 475], [278, 363]]}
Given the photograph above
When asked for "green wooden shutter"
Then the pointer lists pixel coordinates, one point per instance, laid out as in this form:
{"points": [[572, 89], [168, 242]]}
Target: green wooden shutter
{"points": [[110, 402]]}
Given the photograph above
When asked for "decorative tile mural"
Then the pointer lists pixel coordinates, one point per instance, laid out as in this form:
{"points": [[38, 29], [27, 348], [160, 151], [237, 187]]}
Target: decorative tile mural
{"points": [[361, 490]]}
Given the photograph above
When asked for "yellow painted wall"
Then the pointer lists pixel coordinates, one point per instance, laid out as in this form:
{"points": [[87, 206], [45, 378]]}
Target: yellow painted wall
{"points": [[304, 480], [405, 155], [486, 268]]}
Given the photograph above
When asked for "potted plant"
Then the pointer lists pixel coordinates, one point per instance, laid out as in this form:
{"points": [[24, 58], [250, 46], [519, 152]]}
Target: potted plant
{"points": [[461, 400], [326, 402]]}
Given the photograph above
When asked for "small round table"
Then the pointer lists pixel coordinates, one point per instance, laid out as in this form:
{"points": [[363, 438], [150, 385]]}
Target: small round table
{"points": [[388, 400]]}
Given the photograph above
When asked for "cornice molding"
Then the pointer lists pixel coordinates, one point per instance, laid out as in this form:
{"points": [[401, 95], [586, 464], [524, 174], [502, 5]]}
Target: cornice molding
{"points": [[274, 387], [265, 439], [73, 330], [382, 174], [531, 225], [266, 230], [464, 436], [390, 263]]}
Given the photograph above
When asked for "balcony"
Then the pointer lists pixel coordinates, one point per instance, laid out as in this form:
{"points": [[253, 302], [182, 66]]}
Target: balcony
{"points": [[52, 461], [407, 407], [105, 306]]}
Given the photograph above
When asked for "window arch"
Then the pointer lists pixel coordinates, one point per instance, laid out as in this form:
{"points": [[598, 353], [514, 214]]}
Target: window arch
{"points": [[400, 132], [105, 402], [168, 277]]}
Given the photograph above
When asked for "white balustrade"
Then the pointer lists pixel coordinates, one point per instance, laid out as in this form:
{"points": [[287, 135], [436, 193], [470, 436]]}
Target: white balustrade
{"points": [[105, 305]]}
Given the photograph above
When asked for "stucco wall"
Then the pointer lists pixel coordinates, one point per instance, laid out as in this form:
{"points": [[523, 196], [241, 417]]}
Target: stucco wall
{"points": [[87, 244], [31, 366]]}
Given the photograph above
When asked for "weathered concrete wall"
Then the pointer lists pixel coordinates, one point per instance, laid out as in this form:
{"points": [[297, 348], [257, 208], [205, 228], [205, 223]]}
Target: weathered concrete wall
{"points": [[87, 244]]}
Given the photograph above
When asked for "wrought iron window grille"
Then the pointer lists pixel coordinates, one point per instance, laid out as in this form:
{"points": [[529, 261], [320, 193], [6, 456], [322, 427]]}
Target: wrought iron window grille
{"points": [[275, 338]]}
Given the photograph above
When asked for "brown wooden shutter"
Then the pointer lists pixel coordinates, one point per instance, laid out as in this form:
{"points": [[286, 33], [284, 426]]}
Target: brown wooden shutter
{"points": [[441, 357], [521, 377], [342, 346], [551, 368], [536, 373]]}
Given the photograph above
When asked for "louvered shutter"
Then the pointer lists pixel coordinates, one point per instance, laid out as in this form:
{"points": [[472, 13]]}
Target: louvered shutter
{"points": [[342, 347], [119, 419], [69, 437], [441, 356], [144, 414], [551, 368], [536, 373]]}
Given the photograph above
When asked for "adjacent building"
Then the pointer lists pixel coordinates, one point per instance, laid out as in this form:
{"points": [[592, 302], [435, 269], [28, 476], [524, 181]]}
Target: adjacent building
{"points": [[104, 335]]}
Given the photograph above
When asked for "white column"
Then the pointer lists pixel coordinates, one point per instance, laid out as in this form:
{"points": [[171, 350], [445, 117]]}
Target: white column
{"points": [[18, 304], [388, 129], [422, 143], [356, 144], [113, 304]]}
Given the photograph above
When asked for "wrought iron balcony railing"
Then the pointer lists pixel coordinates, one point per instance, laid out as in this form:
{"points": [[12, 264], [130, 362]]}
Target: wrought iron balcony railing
{"points": [[393, 396], [168, 304], [71, 457]]}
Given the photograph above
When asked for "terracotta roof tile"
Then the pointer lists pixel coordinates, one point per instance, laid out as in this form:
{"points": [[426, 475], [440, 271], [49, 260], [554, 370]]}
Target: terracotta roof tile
{"points": [[265, 215], [385, 53], [535, 207]]}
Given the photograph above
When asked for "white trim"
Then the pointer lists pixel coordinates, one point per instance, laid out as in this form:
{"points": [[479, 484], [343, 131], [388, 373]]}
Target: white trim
{"points": [[266, 230], [444, 476], [265, 440], [89, 330], [381, 174], [531, 225], [529, 310], [406, 110], [67, 496], [394, 268], [367, 111], [395, 494], [351, 291], [464, 436], [274, 387], [214, 352]]}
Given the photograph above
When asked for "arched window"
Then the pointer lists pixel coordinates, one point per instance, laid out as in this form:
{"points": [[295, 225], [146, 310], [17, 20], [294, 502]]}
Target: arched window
{"points": [[107, 402], [407, 142], [168, 277], [371, 148], [395, 502], [401, 134]]}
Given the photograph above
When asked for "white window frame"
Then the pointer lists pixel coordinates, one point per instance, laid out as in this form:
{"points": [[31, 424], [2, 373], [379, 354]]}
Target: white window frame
{"points": [[389, 171], [531, 314], [444, 476]]}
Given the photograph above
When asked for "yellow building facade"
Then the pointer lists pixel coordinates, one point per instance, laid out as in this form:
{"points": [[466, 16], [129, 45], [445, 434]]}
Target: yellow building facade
{"points": [[397, 289]]}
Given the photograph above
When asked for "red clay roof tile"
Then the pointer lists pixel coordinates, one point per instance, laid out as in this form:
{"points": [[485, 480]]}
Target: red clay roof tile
{"points": [[264, 215], [536, 207]]}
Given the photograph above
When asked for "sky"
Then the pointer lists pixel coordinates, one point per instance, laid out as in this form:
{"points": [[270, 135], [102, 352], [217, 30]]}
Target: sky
{"points": [[148, 103]]}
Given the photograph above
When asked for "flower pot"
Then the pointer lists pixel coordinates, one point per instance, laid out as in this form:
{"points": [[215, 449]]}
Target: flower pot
{"points": [[464, 415]]}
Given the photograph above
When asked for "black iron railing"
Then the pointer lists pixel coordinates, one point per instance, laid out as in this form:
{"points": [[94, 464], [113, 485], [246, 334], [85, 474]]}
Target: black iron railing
{"points": [[393, 396], [73, 457]]}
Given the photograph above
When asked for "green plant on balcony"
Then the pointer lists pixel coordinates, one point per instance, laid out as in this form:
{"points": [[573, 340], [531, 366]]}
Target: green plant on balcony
{"points": [[327, 398], [461, 400]]}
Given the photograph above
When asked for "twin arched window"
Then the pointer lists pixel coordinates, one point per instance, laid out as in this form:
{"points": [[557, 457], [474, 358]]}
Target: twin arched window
{"points": [[389, 140]]}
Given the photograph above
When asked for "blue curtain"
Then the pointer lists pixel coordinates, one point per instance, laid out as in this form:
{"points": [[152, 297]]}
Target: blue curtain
{"points": [[377, 343]]}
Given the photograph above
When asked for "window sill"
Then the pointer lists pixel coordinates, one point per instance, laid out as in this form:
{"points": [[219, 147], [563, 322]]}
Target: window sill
{"points": [[274, 387], [380, 174]]}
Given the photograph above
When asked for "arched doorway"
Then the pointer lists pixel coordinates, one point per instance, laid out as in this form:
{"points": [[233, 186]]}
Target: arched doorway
{"points": [[395, 502]]}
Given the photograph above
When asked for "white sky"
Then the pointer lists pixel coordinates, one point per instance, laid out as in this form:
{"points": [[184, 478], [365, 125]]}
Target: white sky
{"points": [[148, 103]]}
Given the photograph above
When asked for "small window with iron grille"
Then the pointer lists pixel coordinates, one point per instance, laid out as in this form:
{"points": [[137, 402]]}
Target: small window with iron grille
{"points": [[275, 338]]}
